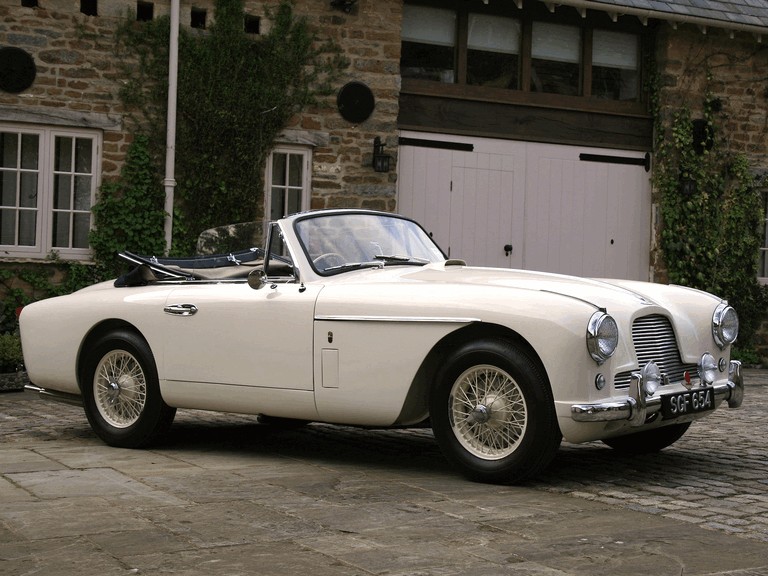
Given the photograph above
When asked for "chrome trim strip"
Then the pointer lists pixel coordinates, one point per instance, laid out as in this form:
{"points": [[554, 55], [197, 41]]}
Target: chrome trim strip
{"points": [[427, 319]]}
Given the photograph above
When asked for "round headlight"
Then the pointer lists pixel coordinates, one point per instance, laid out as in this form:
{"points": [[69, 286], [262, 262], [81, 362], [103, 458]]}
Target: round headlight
{"points": [[725, 325], [602, 336], [707, 368]]}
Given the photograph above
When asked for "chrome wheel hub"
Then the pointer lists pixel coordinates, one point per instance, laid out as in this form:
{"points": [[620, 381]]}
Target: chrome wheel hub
{"points": [[488, 412], [119, 389]]}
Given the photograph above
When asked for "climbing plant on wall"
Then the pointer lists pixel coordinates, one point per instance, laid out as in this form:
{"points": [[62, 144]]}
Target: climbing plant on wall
{"points": [[236, 92], [711, 213]]}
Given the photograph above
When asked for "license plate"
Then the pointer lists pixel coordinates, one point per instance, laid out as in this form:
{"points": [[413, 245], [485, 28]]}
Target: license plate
{"points": [[691, 402]]}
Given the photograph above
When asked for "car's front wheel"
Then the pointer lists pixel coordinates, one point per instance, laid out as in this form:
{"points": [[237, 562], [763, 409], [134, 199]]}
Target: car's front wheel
{"points": [[121, 392], [493, 414]]}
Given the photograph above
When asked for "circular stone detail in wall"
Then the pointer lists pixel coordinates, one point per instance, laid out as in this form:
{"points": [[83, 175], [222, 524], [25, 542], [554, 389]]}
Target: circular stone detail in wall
{"points": [[17, 69], [355, 102]]}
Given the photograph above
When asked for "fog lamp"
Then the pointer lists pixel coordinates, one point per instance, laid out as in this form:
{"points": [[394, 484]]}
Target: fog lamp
{"points": [[651, 378], [707, 368]]}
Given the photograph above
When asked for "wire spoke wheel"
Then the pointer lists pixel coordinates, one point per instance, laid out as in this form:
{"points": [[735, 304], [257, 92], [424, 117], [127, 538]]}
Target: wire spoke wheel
{"points": [[488, 412], [492, 411], [120, 389]]}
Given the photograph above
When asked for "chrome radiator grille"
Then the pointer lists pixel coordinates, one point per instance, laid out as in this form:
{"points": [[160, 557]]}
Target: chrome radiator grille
{"points": [[654, 340]]}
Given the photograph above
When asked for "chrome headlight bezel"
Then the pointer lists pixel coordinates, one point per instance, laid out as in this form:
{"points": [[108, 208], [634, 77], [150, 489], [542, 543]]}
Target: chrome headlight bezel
{"points": [[725, 325], [602, 336]]}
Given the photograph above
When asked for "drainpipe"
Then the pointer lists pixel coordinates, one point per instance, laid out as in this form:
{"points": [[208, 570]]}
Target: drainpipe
{"points": [[169, 182]]}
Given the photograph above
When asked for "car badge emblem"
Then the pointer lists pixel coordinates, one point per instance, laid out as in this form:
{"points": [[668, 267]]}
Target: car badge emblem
{"points": [[688, 384]]}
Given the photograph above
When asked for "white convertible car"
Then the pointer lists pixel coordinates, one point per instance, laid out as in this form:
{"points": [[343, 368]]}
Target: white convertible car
{"points": [[356, 317]]}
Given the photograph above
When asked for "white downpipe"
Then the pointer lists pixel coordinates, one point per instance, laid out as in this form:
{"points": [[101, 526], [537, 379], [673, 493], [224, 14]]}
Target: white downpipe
{"points": [[170, 146]]}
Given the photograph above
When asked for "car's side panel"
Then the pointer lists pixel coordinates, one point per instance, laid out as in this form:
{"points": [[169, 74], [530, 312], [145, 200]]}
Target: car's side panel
{"points": [[240, 336], [364, 366], [296, 404], [53, 330]]}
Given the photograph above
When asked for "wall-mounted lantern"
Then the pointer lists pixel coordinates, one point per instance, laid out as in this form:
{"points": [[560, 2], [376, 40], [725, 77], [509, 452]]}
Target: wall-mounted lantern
{"points": [[380, 160]]}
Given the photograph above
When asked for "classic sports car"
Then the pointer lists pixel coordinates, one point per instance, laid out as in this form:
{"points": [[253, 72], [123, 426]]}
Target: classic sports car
{"points": [[356, 317]]}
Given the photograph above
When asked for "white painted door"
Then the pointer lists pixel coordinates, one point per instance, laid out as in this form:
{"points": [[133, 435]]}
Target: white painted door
{"points": [[587, 218], [472, 202], [558, 212]]}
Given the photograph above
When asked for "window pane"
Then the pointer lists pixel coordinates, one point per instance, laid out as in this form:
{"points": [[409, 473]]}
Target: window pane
{"points": [[556, 59], [295, 173], [8, 227], [428, 43], [493, 51], [61, 229], [8, 189], [30, 151], [277, 203], [615, 58], [82, 227], [278, 168], [27, 227], [63, 154], [62, 192], [294, 202], [83, 155], [28, 196], [9, 150], [82, 192]]}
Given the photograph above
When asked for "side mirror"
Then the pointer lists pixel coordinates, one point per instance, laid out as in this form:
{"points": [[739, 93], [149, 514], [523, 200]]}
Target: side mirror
{"points": [[257, 279]]}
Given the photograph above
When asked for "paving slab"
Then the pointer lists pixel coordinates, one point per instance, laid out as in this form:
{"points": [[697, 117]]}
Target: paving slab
{"points": [[225, 495]]}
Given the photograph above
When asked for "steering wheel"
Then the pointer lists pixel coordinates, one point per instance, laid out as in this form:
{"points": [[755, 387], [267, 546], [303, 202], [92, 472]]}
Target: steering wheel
{"points": [[329, 260]]}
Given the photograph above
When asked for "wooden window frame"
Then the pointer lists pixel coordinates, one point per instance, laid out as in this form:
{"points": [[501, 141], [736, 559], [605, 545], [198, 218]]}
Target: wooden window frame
{"points": [[524, 95]]}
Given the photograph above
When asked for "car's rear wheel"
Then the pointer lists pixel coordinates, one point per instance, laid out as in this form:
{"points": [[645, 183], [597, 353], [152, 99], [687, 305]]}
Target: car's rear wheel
{"points": [[649, 441], [121, 392], [493, 414]]}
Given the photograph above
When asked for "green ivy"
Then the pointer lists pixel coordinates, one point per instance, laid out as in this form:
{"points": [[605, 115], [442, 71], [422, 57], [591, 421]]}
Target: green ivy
{"points": [[129, 214], [712, 214], [236, 93]]}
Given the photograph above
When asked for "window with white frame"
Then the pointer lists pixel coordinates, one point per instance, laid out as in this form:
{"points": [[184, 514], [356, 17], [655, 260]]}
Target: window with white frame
{"points": [[48, 182], [288, 177]]}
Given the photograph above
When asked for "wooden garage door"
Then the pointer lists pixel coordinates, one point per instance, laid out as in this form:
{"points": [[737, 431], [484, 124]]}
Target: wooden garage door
{"points": [[565, 209]]}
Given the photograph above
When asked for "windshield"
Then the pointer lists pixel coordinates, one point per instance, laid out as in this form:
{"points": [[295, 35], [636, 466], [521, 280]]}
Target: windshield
{"points": [[340, 242]]}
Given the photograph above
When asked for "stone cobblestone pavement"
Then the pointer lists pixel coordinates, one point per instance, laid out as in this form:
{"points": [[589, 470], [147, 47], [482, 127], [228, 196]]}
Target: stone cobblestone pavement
{"points": [[226, 495]]}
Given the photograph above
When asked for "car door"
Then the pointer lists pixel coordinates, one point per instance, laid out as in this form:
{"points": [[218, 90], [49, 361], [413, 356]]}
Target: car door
{"points": [[233, 334]]}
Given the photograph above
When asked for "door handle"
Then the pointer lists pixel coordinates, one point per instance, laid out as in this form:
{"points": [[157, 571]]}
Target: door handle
{"points": [[508, 249], [181, 309]]}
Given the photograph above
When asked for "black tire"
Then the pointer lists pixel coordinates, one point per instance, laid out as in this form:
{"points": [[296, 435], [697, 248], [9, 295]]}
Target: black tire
{"points": [[493, 414], [121, 393], [649, 441]]}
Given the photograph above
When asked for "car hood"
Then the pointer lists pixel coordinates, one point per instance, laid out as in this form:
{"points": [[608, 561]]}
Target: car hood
{"points": [[470, 286], [597, 292]]}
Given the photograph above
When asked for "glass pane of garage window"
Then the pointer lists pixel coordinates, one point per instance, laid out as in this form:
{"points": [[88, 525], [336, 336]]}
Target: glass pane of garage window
{"points": [[556, 59], [493, 50], [428, 43], [8, 227], [9, 146], [615, 58]]}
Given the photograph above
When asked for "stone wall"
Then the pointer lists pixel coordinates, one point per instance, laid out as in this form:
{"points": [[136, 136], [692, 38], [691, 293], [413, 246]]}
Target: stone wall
{"points": [[77, 85], [735, 71], [369, 36]]}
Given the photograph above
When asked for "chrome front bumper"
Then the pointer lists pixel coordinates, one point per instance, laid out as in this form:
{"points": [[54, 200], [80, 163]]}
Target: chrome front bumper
{"points": [[637, 406]]}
